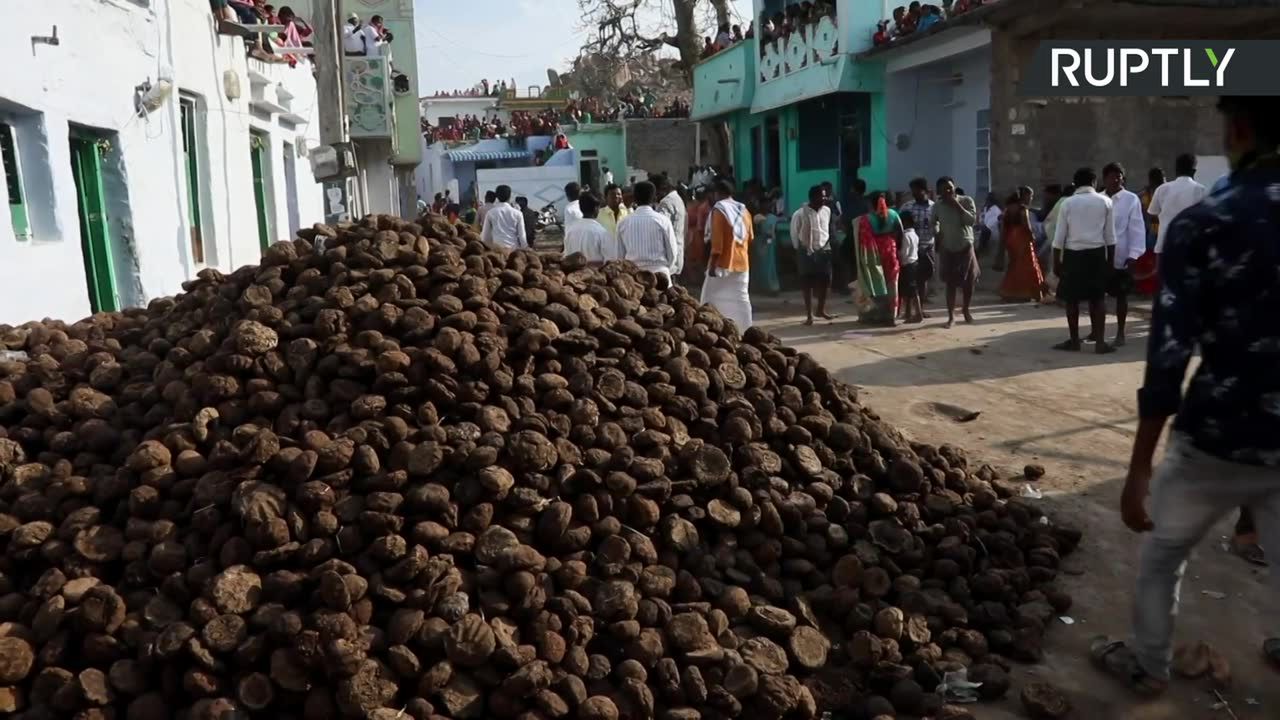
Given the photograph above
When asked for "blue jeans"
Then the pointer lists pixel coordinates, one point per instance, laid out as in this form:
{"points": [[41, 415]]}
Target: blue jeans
{"points": [[1191, 492]]}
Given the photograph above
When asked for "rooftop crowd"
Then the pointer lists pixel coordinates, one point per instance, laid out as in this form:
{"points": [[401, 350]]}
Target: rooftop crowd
{"points": [[481, 89], [297, 32], [918, 18]]}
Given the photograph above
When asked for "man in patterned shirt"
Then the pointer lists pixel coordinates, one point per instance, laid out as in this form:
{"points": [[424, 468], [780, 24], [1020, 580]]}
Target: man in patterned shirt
{"points": [[1221, 296], [921, 209]]}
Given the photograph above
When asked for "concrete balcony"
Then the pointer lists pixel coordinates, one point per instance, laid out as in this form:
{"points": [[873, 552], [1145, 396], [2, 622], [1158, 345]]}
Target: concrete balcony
{"points": [[817, 59], [275, 89], [725, 82]]}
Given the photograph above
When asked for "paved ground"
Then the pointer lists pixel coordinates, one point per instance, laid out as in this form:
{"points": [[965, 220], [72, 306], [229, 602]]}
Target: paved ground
{"points": [[1076, 414]]}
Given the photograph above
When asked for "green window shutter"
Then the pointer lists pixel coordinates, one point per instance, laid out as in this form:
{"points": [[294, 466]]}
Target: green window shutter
{"points": [[191, 161], [13, 180]]}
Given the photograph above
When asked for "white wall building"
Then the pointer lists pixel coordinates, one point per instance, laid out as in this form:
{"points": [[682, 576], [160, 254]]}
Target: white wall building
{"points": [[434, 108], [111, 207]]}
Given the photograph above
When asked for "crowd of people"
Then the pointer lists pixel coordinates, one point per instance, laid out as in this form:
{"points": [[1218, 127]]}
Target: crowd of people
{"points": [[268, 48], [472, 128], [631, 105], [727, 35], [481, 89], [918, 18], [795, 18]]}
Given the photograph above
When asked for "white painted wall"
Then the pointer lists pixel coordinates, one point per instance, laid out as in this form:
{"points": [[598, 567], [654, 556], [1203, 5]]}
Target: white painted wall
{"points": [[936, 105], [542, 185], [107, 48]]}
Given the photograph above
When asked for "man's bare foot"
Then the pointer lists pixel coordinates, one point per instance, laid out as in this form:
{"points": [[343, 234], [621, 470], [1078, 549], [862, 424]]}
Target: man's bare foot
{"points": [[808, 320], [914, 321], [828, 316], [951, 322], [968, 317], [1119, 341]]}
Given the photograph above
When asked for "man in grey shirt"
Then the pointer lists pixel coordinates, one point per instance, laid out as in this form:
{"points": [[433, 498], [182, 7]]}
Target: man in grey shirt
{"points": [[953, 218]]}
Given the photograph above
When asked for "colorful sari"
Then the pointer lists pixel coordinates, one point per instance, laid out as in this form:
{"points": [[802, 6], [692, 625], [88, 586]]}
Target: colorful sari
{"points": [[878, 268], [1023, 278], [764, 257]]}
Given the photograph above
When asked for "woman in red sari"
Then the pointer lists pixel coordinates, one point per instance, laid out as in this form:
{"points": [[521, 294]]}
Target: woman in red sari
{"points": [[1023, 280], [879, 235]]}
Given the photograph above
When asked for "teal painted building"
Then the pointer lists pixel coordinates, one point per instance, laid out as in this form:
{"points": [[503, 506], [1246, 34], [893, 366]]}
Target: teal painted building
{"points": [[801, 110]]}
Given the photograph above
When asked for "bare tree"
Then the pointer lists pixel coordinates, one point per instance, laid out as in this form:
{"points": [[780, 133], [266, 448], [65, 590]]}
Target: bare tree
{"points": [[626, 29]]}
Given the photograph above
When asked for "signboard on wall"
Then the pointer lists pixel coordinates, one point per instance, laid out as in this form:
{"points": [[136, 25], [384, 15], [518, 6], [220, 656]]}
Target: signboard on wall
{"points": [[809, 46], [370, 104]]}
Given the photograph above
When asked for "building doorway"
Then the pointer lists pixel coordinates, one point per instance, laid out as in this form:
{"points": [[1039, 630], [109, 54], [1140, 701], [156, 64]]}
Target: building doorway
{"points": [[772, 174], [258, 144], [95, 231]]}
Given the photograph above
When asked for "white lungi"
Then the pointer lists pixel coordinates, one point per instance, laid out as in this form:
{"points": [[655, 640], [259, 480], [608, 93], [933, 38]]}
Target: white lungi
{"points": [[730, 295]]}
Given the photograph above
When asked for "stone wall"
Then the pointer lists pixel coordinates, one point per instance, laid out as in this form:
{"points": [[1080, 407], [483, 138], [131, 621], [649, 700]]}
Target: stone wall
{"points": [[670, 146], [1041, 140]]}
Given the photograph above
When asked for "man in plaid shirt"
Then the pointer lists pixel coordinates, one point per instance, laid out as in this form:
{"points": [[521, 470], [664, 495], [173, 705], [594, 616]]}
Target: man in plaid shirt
{"points": [[921, 209]]}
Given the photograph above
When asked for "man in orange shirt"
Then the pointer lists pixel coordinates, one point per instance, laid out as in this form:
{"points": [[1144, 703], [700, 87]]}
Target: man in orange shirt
{"points": [[731, 233]]}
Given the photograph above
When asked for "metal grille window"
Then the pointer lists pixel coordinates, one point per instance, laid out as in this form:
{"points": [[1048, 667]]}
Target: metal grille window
{"points": [[983, 164], [13, 181], [191, 161]]}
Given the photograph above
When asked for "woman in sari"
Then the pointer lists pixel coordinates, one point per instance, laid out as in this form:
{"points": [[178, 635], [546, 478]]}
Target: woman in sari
{"points": [[1023, 280], [764, 259], [878, 237]]}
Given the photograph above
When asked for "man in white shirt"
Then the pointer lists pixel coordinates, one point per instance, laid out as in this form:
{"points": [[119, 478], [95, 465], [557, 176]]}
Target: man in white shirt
{"points": [[811, 235], [353, 37], [572, 211], [589, 237], [1172, 198], [1131, 242], [608, 177], [647, 236], [672, 205], [504, 224], [1084, 243]]}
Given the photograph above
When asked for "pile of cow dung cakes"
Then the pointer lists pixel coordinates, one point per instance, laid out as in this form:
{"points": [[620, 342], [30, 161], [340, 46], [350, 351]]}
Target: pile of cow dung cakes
{"points": [[391, 474]]}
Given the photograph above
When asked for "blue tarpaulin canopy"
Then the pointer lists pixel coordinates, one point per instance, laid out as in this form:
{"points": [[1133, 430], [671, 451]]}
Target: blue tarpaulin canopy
{"points": [[486, 155]]}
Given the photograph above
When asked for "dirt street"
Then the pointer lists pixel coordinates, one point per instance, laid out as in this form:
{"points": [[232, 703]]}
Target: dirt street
{"points": [[1075, 413]]}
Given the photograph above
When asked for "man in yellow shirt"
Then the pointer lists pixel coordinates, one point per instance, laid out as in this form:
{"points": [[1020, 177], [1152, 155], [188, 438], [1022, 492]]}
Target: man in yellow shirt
{"points": [[614, 211], [731, 234]]}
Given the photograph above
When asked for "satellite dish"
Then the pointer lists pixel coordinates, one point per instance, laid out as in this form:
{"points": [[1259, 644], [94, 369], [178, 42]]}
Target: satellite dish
{"points": [[902, 141]]}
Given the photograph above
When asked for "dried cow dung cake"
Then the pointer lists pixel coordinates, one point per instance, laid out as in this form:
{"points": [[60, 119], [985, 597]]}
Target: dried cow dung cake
{"points": [[388, 473]]}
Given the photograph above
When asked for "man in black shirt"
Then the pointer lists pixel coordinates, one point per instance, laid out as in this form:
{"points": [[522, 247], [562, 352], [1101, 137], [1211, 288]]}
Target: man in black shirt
{"points": [[1221, 296]]}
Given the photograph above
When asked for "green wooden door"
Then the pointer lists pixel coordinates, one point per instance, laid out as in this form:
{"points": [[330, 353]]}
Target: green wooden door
{"points": [[258, 155], [95, 237]]}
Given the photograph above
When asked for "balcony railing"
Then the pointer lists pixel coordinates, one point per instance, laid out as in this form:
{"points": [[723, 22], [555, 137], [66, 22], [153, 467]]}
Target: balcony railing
{"points": [[811, 44], [725, 82]]}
